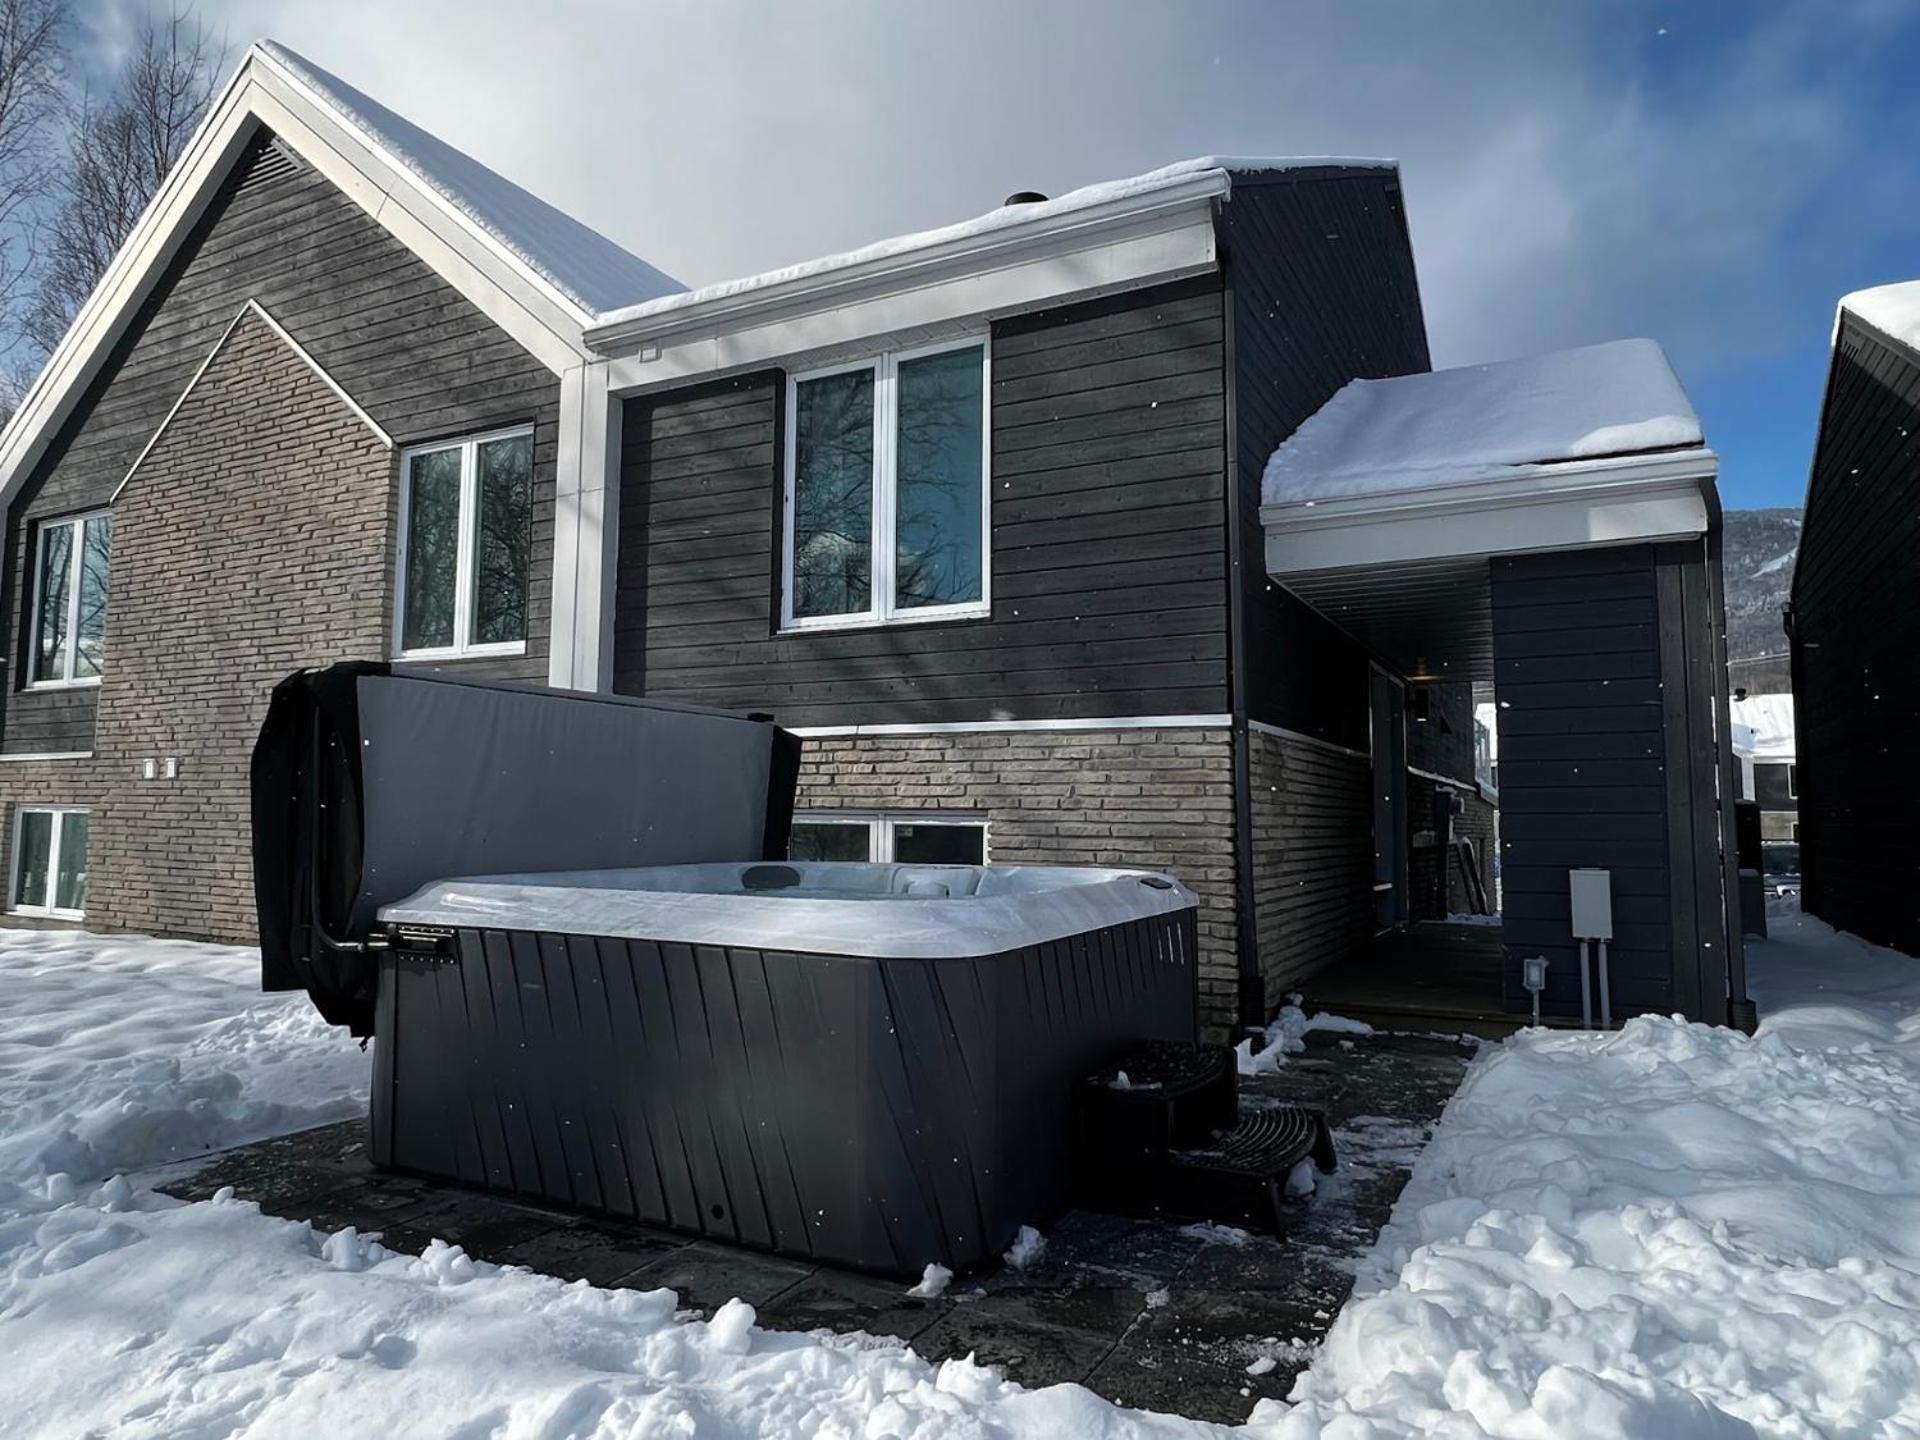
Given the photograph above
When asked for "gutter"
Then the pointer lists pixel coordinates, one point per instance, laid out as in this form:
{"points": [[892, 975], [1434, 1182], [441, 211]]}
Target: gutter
{"points": [[750, 301]]}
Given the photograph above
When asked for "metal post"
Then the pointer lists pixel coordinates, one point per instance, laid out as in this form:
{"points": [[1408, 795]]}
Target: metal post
{"points": [[1606, 1006], [1586, 990]]}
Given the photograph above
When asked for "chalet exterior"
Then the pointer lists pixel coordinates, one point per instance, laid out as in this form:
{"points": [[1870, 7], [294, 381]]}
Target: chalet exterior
{"points": [[979, 512], [1854, 628]]}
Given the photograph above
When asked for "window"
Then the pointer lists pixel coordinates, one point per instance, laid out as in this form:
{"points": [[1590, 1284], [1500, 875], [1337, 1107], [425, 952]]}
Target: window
{"points": [[70, 601], [466, 543], [906, 838], [886, 492], [1793, 783], [50, 861]]}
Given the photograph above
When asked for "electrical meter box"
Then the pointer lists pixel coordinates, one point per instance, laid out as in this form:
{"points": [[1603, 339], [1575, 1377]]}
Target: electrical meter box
{"points": [[1592, 893]]}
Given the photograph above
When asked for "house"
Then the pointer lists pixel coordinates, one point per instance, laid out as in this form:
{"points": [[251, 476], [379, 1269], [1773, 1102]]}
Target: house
{"points": [[979, 512], [1768, 774], [1854, 629]]}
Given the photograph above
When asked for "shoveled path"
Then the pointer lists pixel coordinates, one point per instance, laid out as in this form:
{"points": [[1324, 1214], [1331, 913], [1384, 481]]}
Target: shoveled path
{"points": [[1151, 1314]]}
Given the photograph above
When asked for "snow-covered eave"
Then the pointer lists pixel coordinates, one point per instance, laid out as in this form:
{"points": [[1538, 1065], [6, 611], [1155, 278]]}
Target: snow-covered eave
{"points": [[959, 251], [1904, 345], [1619, 500], [261, 93]]}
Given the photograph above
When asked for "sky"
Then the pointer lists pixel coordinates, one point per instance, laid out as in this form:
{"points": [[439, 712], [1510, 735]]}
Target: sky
{"points": [[1712, 175]]}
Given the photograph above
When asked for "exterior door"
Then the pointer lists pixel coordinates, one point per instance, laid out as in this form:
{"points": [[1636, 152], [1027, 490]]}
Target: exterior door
{"points": [[1389, 735]]}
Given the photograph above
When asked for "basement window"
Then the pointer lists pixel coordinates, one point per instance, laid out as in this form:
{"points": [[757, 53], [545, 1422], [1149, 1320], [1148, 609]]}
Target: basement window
{"points": [[70, 601], [50, 861], [466, 547], [885, 505], [903, 838]]}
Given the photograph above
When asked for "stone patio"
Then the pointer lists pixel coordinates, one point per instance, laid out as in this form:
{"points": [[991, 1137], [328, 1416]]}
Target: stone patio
{"points": [[1151, 1314]]}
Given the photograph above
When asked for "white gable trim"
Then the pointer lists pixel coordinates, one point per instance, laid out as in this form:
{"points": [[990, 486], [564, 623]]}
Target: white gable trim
{"points": [[251, 307], [534, 313]]}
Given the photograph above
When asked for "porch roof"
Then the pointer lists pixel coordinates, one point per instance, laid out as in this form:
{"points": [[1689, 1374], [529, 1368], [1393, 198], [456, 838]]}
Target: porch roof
{"points": [[1383, 509]]}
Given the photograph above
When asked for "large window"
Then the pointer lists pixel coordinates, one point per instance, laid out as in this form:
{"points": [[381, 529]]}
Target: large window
{"points": [[466, 544], [905, 837], [50, 861], [886, 494], [70, 601]]}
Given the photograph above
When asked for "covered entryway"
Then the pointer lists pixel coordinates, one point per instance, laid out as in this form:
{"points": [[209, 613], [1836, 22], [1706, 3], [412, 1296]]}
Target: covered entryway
{"points": [[1547, 530]]}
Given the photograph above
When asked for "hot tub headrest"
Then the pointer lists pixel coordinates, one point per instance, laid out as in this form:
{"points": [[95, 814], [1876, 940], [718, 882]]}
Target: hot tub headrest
{"points": [[370, 781]]}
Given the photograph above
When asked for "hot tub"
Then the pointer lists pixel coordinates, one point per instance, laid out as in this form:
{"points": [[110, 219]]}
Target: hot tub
{"points": [[864, 1064]]}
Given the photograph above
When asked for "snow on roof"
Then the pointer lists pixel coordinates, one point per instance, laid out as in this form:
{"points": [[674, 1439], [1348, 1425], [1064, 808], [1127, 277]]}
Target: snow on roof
{"points": [[1770, 717], [588, 268], [1453, 426], [1891, 309], [1004, 217]]}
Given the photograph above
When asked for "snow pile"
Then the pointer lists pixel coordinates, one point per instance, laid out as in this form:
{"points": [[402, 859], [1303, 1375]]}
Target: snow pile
{"points": [[1005, 217], [1479, 421], [1670, 1230], [123, 1054], [588, 268], [1287, 1035], [1770, 718], [1893, 310]]}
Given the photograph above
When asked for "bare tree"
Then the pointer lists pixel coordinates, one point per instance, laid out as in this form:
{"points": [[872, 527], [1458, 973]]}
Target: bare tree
{"points": [[32, 43], [120, 147]]}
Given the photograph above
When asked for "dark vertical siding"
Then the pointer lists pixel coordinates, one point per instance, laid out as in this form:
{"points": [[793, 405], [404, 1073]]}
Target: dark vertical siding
{"points": [[424, 362], [1108, 563], [1583, 764], [1856, 636], [1324, 291]]}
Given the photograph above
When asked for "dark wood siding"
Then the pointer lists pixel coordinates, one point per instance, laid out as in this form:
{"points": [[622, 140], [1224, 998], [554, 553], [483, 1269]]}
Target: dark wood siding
{"points": [[1109, 563], [1856, 637], [1604, 668], [418, 357], [1322, 278]]}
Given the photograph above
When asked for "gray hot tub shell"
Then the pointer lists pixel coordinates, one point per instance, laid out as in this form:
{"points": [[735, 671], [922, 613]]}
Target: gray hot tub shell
{"points": [[834, 1061]]}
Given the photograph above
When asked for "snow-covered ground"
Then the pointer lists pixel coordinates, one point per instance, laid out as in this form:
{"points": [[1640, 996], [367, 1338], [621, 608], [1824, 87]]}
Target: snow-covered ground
{"points": [[1667, 1231]]}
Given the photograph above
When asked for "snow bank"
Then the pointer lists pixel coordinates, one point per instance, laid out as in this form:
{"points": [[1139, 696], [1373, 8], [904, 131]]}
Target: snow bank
{"points": [[1287, 1035], [1670, 1230], [1891, 309], [1454, 426]]}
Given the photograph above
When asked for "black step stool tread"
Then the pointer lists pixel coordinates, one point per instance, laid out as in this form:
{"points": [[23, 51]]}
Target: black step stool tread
{"points": [[1240, 1177], [1182, 1092]]}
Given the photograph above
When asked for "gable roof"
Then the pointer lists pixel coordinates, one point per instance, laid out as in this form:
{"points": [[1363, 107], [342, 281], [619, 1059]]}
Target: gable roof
{"points": [[582, 263], [1893, 310], [1479, 422], [526, 267]]}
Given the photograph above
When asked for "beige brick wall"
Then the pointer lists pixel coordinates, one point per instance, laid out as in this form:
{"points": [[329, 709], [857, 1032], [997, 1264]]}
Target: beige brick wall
{"points": [[1312, 857], [256, 537], [1475, 821], [1160, 799]]}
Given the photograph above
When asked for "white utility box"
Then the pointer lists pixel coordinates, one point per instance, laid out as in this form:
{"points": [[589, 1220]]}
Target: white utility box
{"points": [[1592, 893]]}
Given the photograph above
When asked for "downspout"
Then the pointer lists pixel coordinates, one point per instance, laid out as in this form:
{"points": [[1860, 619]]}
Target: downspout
{"points": [[1252, 993]]}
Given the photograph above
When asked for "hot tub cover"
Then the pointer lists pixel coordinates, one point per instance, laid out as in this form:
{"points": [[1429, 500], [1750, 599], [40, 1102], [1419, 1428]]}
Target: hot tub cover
{"points": [[370, 780], [880, 911]]}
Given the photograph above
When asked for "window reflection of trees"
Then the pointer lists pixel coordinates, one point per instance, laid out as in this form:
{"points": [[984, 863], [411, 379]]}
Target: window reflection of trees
{"points": [[833, 495], [938, 494], [433, 535], [504, 544]]}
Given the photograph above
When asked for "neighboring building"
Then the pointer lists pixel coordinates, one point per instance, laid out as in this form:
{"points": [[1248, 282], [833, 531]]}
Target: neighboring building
{"points": [[1768, 773], [978, 512], [1854, 627]]}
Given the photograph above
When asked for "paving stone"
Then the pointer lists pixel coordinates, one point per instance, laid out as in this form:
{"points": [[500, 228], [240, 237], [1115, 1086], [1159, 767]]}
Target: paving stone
{"points": [[708, 1275], [1031, 1351], [1184, 1387], [842, 1302], [588, 1252]]}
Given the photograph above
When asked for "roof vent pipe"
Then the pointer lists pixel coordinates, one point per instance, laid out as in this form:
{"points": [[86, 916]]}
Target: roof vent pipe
{"points": [[1023, 197]]}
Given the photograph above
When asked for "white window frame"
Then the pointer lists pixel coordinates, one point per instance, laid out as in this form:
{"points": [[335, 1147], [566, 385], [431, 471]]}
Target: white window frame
{"points": [[48, 910], [1793, 789], [468, 532], [75, 563], [880, 826], [882, 610]]}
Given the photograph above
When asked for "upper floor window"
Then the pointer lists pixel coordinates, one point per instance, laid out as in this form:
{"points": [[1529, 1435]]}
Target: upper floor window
{"points": [[466, 545], [70, 600], [886, 490]]}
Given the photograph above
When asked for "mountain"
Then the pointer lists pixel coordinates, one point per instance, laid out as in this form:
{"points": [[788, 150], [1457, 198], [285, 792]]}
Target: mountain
{"points": [[1757, 560]]}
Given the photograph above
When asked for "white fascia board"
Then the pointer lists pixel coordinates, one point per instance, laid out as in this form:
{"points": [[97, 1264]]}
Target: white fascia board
{"points": [[1635, 499], [919, 294], [544, 323], [585, 534]]}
